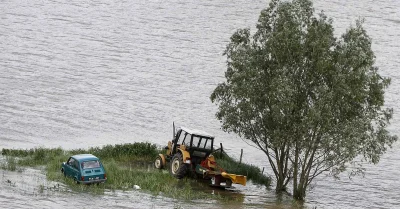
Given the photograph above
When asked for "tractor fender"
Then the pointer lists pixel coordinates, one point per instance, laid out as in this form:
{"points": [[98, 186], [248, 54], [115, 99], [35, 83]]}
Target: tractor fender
{"points": [[169, 148], [162, 159], [185, 156]]}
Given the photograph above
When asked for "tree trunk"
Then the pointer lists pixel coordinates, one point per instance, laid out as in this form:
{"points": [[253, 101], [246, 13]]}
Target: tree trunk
{"points": [[299, 193], [280, 184], [295, 169], [280, 161]]}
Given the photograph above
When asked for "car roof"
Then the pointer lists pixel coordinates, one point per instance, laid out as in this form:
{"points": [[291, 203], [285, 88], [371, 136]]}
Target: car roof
{"points": [[197, 132], [82, 157]]}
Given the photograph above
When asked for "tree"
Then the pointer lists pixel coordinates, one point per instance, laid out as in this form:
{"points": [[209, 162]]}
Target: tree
{"points": [[311, 102]]}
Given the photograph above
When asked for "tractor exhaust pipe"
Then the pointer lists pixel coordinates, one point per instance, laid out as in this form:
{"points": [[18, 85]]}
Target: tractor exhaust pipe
{"points": [[173, 131]]}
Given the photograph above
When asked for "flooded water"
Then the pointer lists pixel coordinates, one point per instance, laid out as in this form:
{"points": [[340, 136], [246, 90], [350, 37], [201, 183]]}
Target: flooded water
{"points": [[88, 73], [30, 189]]}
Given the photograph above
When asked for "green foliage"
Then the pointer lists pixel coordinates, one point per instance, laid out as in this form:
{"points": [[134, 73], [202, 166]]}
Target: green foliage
{"points": [[36, 153], [310, 101], [125, 152], [33, 157], [139, 151], [53, 167]]}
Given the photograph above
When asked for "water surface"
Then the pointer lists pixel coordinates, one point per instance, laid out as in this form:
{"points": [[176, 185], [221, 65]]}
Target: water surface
{"points": [[77, 74]]}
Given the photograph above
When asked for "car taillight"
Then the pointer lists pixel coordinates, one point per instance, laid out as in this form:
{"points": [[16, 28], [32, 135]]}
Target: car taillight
{"points": [[105, 176], [82, 178]]}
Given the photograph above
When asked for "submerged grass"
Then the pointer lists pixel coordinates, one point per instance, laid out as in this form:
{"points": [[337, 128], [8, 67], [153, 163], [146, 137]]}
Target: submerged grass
{"points": [[10, 164], [121, 163]]}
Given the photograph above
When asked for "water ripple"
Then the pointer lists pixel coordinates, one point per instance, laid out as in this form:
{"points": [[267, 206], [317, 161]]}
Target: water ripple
{"points": [[82, 73]]}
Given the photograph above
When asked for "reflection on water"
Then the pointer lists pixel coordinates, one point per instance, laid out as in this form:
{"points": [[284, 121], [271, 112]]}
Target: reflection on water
{"points": [[77, 74]]}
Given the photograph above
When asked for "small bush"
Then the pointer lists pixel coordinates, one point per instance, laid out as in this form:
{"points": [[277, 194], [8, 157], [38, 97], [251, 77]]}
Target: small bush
{"points": [[15, 152], [143, 150], [10, 164]]}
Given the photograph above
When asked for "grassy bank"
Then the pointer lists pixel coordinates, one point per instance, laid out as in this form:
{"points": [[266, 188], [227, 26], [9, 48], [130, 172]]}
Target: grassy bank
{"points": [[126, 165]]}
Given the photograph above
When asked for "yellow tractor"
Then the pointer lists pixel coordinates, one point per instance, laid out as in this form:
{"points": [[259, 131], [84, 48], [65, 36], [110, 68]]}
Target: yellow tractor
{"points": [[190, 152]]}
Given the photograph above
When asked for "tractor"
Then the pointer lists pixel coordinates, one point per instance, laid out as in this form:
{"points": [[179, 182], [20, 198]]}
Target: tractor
{"points": [[190, 152]]}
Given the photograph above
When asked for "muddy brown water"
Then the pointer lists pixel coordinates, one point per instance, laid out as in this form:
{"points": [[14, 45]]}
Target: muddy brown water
{"points": [[77, 74]]}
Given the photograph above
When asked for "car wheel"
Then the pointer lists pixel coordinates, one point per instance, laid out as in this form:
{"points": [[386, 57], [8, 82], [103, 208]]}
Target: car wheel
{"points": [[178, 168], [76, 181], [158, 163]]}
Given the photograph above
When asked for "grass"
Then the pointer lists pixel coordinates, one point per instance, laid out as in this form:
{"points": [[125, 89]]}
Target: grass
{"points": [[10, 164], [127, 165]]}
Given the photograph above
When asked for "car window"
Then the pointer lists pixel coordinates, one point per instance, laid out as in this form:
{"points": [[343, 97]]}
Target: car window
{"points": [[71, 161], [90, 164]]}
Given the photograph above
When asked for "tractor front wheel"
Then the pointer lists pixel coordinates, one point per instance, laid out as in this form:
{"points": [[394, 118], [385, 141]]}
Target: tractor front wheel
{"points": [[158, 163], [178, 168]]}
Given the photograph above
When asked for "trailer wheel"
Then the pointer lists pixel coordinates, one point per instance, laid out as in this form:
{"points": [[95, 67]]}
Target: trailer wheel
{"points": [[178, 168], [158, 163]]}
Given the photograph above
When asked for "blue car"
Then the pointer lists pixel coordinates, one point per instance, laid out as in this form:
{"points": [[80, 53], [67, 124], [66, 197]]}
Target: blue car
{"points": [[85, 169]]}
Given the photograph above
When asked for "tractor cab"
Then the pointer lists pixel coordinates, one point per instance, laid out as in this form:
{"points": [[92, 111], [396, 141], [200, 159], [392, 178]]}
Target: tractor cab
{"points": [[188, 148], [197, 143], [190, 151]]}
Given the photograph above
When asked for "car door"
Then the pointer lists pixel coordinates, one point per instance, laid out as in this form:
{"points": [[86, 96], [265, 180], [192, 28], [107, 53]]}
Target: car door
{"points": [[76, 170], [68, 167], [72, 168]]}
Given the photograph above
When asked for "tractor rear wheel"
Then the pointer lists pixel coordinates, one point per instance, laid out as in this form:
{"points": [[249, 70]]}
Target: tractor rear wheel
{"points": [[178, 168]]}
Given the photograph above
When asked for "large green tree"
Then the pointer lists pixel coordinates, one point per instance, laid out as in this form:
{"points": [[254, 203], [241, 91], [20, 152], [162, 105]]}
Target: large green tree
{"points": [[311, 102]]}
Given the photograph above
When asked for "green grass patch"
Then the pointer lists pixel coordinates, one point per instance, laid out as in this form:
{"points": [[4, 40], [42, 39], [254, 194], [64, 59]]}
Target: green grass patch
{"points": [[127, 165]]}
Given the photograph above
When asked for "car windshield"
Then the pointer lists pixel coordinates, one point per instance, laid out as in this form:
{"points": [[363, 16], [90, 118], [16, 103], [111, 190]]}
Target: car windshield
{"points": [[90, 164]]}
